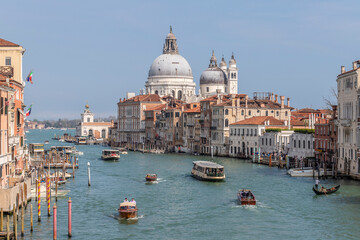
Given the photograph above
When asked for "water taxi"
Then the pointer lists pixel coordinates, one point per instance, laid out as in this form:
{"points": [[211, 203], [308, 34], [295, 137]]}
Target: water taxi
{"points": [[110, 154], [151, 177], [81, 141], [128, 210], [208, 171], [246, 197]]}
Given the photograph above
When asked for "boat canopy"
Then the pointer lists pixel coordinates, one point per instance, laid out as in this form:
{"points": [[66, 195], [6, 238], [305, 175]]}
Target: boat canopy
{"points": [[207, 164], [110, 151], [127, 204]]}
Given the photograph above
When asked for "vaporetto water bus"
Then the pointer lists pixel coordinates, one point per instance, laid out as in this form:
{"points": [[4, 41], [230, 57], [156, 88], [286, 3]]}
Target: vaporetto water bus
{"points": [[208, 171]]}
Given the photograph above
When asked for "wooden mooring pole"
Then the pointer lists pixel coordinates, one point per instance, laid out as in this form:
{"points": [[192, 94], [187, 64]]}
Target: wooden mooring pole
{"points": [[31, 218], [2, 220], [48, 194], [39, 201], [15, 221], [8, 227], [69, 218], [89, 182], [22, 221], [54, 223]]}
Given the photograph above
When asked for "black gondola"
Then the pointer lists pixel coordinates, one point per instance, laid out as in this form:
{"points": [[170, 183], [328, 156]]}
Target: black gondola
{"points": [[322, 190]]}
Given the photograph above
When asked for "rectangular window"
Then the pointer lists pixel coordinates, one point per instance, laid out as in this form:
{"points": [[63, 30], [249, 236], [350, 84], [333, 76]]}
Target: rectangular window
{"points": [[177, 114], [18, 118], [8, 61], [294, 143], [2, 105], [6, 106]]}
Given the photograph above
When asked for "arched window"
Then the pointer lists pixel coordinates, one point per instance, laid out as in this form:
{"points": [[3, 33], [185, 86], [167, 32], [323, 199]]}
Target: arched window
{"points": [[286, 113], [304, 144], [226, 112], [242, 112], [88, 119], [85, 132], [156, 92], [179, 95], [234, 75], [90, 132], [226, 122], [267, 113], [103, 133], [249, 112]]}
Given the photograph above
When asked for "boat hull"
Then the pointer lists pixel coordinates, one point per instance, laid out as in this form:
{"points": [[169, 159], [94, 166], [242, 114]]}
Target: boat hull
{"points": [[128, 213], [247, 202], [328, 190], [207, 178], [151, 179], [110, 158]]}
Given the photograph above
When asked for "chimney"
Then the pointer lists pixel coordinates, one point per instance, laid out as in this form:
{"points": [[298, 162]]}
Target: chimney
{"points": [[182, 108], [238, 102], [233, 102], [282, 98], [342, 69], [355, 65], [246, 101], [276, 98], [272, 97], [288, 102]]}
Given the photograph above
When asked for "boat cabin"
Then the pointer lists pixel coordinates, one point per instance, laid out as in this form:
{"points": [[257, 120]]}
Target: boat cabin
{"points": [[205, 170], [36, 148], [81, 140]]}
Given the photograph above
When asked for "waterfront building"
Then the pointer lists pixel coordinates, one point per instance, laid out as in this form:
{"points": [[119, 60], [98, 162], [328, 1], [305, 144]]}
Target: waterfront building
{"points": [[168, 127], [301, 145], [152, 138], [275, 141], [34, 125], [131, 119], [348, 121], [191, 129], [245, 135], [326, 141], [223, 110], [170, 74], [13, 155], [89, 128], [221, 79]]}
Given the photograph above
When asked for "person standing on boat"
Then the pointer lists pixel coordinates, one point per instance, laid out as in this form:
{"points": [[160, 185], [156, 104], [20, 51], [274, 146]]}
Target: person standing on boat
{"points": [[317, 182], [133, 200]]}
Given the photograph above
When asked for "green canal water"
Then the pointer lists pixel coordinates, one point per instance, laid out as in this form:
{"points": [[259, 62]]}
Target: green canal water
{"points": [[181, 207]]}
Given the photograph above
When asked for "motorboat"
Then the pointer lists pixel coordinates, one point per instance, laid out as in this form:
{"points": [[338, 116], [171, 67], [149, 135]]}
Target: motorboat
{"points": [[246, 197], [208, 171], [128, 210], [110, 154], [151, 177]]}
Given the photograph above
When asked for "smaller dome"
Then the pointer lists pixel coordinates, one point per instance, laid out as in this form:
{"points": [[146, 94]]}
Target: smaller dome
{"points": [[213, 75]]}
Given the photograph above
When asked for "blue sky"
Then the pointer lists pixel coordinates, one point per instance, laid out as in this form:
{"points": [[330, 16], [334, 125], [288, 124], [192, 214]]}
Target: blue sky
{"points": [[96, 51]]}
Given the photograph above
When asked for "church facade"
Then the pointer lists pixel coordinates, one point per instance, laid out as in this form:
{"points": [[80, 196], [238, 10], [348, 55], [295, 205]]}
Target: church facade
{"points": [[89, 128]]}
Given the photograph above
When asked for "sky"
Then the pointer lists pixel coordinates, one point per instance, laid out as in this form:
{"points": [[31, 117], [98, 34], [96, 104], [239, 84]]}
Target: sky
{"points": [[95, 51]]}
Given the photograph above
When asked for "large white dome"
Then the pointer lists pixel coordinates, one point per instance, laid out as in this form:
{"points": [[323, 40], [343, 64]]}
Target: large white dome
{"points": [[170, 65]]}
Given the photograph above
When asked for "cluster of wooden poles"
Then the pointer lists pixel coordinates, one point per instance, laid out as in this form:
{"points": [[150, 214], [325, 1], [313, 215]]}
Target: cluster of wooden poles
{"points": [[14, 234]]}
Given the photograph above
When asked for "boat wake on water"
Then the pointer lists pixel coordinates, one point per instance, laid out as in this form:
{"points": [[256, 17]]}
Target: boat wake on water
{"points": [[159, 180], [117, 217]]}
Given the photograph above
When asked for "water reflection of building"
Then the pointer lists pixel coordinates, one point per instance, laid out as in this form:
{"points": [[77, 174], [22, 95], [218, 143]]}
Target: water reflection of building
{"points": [[89, 128]]}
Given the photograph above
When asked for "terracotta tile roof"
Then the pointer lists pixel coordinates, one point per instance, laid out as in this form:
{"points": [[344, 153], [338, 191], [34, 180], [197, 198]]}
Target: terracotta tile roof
{"points": [[193, 110], [260, 121], [156, 108], [144, 98], [306, 110], [5, 43], [352, 70], [97, 124]]}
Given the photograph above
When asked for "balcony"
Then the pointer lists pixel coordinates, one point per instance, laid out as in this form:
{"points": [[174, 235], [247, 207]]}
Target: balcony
{"points": [[345, 122], [7, 71]]}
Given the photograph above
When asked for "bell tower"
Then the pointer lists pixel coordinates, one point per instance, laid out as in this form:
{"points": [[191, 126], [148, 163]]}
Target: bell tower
{"points": [[232, 76]]}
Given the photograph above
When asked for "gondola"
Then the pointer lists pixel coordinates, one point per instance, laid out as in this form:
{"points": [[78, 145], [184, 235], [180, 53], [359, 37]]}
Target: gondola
{"points": [[322, 190]]}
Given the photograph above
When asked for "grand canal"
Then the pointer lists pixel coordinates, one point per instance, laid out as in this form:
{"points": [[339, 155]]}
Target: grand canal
{"points": [[180, 207]]}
